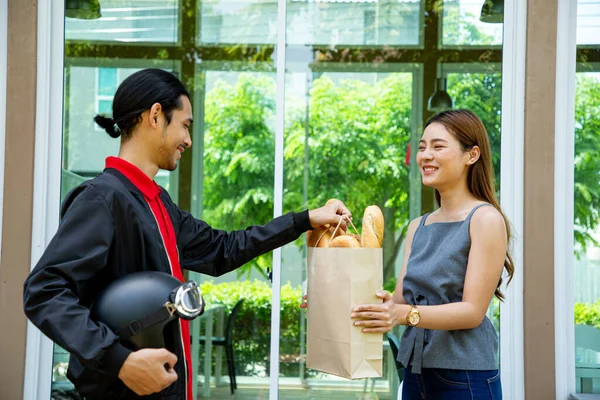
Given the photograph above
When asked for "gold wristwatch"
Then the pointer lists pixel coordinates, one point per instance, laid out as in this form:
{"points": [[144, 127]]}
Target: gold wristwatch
{"points": [[413, 317]]}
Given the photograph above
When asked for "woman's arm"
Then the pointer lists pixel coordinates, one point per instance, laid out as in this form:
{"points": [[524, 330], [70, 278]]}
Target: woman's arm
{"points": [[485, 264], [410, 233]]}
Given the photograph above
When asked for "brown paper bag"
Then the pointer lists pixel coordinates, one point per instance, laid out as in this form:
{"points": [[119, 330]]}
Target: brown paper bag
{"points": [[339, 279]]}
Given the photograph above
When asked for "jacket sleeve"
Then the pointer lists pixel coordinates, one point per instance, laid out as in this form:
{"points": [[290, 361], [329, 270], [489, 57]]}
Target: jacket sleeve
{"points": [[216, 252], [77, 253]]}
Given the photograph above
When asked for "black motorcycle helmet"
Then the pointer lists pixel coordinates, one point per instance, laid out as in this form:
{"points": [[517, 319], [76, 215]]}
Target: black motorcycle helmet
{"points": [[139, 306]]}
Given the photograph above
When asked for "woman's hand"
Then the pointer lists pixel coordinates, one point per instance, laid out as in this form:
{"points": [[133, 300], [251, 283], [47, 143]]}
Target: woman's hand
{"points": [[379, 318]]}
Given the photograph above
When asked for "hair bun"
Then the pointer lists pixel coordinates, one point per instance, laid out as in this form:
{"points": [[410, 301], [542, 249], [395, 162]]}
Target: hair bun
{"points": [[109, 125]]}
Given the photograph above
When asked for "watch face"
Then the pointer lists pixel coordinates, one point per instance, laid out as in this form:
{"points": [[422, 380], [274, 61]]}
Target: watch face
{"points": [[414, 318]]}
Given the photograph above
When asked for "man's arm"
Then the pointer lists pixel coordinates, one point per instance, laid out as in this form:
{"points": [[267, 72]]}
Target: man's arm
{"points": [[76, 254], [216, 252]]}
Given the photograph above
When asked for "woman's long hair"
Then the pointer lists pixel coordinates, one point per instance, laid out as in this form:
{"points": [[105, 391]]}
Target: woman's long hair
{"points": [[468, 129]]}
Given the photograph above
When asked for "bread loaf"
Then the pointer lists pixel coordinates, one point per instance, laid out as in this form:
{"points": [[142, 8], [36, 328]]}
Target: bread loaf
{"points": [[357, 237], [372, 229], [328, 236], [345, 241], [313, 236], [324, 232]]}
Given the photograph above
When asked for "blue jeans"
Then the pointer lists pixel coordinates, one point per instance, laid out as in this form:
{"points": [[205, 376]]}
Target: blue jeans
{"points": [[451, 384]]}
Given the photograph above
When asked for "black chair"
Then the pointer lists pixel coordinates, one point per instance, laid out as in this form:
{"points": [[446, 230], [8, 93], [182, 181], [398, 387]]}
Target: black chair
{"points": [[227, 342], [395, 345]]}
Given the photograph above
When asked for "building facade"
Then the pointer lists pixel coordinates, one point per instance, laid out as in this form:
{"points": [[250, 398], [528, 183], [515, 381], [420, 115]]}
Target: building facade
{"points": [[298, 101]]}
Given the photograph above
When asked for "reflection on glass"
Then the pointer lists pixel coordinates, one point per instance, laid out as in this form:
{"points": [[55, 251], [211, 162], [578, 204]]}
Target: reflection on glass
{"points": [[482, 94], [351, 114], [237, 140], [347, 136], [358, 76], [128, 21], [588, 22], [367, 22], [587, 233], [461, 25], [587, 200], [241, 21]]}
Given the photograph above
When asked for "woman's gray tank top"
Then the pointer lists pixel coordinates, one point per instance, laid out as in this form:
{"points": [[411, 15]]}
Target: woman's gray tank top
{"points": [[435, 274]]}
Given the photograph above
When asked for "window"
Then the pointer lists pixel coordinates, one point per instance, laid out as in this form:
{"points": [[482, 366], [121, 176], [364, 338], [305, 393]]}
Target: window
{"points": [[587, 200], [106, 88], [128, 22], [461, 25], [358, 75]]}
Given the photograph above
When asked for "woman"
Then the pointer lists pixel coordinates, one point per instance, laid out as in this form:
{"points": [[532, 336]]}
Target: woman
{"points": [[453, 262]]}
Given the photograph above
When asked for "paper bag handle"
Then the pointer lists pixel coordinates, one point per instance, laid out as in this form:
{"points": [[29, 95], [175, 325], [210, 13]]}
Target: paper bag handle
{"points": [[335, 230]]}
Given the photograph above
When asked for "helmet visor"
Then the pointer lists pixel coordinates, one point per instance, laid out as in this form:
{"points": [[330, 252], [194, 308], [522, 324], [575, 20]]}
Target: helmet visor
{"points": [[187, 300]]}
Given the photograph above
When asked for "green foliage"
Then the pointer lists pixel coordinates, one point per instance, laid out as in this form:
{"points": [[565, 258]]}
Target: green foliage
{"points": [[482, 94], [458, 28], [253, 327], [357, 143], [238, 156], [357, 138], [357, 134], [390, 284], [587, 160], [588, 314]]}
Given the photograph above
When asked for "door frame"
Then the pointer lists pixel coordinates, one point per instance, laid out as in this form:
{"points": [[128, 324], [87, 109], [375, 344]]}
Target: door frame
{"points": [[47, 168], [48, 150]]}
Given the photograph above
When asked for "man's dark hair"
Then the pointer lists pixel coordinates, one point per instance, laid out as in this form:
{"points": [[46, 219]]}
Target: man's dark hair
{"points": [[136, 94]]}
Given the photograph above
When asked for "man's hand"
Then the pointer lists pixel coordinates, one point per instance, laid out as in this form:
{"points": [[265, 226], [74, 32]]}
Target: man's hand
{"points": [[149, 371], [330, 214]]}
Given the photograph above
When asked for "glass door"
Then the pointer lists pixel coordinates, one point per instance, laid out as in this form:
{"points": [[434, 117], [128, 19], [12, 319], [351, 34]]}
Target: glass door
{"points": [[358, 78], [586, 233]]}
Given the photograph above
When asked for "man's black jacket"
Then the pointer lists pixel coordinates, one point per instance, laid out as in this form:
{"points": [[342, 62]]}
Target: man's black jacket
{"points": [[107, 230]]}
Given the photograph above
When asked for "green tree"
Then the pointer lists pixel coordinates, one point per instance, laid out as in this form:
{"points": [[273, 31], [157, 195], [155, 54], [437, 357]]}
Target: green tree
{"points": [[587, 160], [482, 94], [458, 26], [239, 155], [358, 134], [357, 138]]}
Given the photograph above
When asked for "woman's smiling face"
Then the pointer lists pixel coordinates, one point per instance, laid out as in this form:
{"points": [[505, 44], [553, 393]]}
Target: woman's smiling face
{"points": [[441, 158]]}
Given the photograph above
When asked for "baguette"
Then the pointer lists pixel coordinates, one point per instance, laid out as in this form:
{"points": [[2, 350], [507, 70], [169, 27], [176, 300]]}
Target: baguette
{"points": [[372, 229]]}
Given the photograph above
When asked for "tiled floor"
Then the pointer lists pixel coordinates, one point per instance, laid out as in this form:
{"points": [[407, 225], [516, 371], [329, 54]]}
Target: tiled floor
{"points": [[253, 393]]}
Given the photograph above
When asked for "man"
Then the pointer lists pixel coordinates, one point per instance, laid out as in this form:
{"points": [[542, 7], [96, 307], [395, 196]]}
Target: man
{"points": [[122, 222]]}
